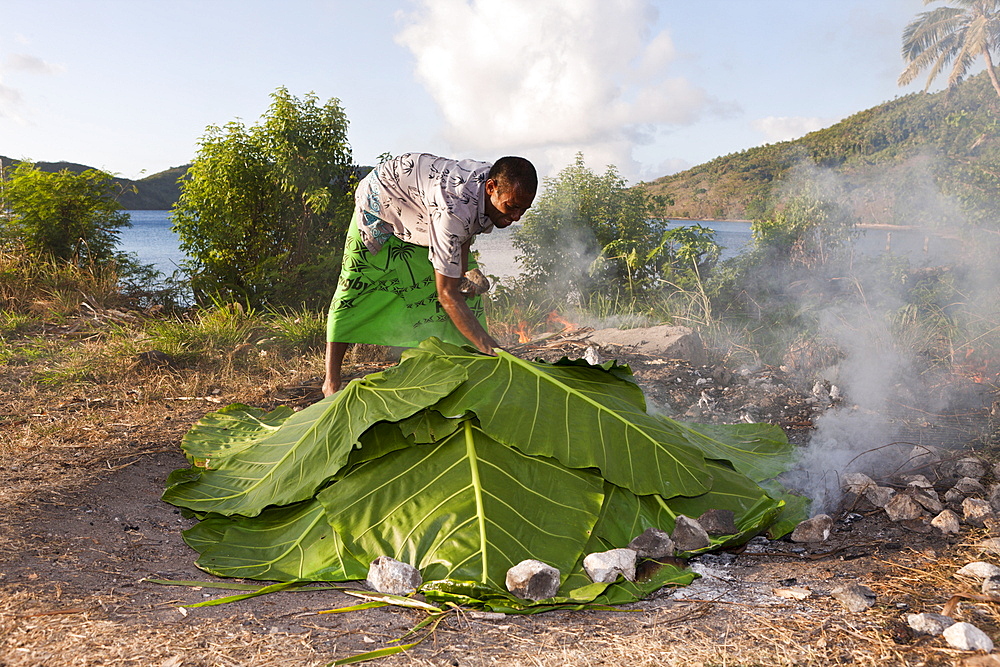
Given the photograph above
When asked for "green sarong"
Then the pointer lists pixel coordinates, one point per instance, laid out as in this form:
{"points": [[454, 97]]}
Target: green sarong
{"points": [[390, 298]]}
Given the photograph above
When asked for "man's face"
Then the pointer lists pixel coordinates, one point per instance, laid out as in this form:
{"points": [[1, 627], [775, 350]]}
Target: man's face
{"points": [[507, 205]]}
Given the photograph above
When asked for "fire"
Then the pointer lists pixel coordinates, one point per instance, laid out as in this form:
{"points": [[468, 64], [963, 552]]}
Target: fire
{"points": [[522, 332], [558, 320]]}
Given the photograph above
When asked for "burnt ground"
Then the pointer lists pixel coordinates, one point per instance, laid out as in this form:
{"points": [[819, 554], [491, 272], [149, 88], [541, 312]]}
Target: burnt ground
{"points": [[83, 530]]}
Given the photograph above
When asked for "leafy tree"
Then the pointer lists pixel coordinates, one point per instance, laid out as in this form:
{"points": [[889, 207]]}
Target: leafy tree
{"points": [[63, 215], [588, 234], [263, 210], [955, 36]]}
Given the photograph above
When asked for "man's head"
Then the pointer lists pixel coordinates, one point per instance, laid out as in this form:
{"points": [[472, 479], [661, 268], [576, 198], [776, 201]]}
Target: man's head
{"points": [[510, 189]]}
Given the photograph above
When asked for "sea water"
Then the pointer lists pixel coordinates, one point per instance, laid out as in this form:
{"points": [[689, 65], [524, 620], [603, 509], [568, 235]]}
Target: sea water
{"points": [[153, 241]]}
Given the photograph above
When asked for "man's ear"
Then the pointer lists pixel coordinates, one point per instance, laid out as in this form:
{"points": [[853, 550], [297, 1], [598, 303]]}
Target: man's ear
{"points": [[491, 187]]}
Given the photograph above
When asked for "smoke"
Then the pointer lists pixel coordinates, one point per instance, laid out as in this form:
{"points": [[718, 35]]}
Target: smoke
{"points": [[898, 390], [550, 78]]}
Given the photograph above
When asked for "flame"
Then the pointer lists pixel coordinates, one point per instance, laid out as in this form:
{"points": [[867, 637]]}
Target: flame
{"points": [[556, 319], [522, 332]]}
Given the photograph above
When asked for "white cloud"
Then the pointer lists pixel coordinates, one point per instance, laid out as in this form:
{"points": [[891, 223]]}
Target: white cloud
{"points": [[786, 128], [22, 62], [549, 77], [11, 99]]}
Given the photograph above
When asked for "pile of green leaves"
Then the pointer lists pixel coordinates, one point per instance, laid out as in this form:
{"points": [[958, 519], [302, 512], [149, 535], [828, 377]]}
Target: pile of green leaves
{"points": [[463, 465]]}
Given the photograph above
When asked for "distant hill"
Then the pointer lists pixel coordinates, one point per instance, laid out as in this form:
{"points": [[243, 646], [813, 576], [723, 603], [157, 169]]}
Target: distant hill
{"points": [[152, 193], [891, 162]]}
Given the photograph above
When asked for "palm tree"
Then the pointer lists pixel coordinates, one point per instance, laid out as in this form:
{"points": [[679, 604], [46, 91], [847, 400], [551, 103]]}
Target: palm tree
{"points": [[959, 33]]}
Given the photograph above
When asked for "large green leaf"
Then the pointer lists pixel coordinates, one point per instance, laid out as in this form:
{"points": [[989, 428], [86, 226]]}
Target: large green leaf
{"points": [[467, 507], [229, 431], [290, 543], [291, 463], [759, 451], [585, 417]]}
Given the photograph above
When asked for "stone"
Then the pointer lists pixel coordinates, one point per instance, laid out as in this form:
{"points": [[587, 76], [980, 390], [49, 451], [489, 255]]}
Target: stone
{"points": [[979, 569], [968, 486], [388, 575], [967, 637], [991, 586], [976, 511], [855, 597], [917, 481], [926, 498], [903, 508], [652, 543], [880, 495], [533, 580], [857, 482], [947, 522], [954, 497], [604, 567], [929, 624], [969, 466], [689, 535], [664, 341], [994, 497], [792, 592], [991, 544], [718, 522], [816, 529]]}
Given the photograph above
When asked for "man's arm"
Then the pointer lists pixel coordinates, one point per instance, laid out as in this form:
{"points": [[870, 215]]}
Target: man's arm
{"points": [[453, 302]]}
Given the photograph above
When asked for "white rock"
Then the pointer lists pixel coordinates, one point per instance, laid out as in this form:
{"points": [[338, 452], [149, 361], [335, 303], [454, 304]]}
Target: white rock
{"points": [[967, 637], [947, 522], [918, 481], [929, 624], [979, 569], [991, 544], [816, 529], [991, 586], [968, 486], [533, 580], [605, 566], [792, 592], [977, 511], [857, 482], [388, 575], [880, 495]]}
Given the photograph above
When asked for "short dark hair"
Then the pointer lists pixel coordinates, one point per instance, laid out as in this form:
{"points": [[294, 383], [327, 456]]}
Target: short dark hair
{"points": [[512, 171]]}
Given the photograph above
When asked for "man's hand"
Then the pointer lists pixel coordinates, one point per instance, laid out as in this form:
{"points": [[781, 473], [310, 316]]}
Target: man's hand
{"points": [[453, 301]]}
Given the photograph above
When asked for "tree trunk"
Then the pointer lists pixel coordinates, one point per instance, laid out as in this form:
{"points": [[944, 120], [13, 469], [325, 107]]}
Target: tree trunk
{"points": [[992, 72]]}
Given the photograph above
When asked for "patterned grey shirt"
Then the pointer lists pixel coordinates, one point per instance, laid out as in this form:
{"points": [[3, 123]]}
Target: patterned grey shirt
{"points": [[427, 200]]}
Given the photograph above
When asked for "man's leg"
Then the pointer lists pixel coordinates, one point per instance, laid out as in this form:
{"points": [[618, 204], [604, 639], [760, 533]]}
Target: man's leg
{"points": [[334, 363]]}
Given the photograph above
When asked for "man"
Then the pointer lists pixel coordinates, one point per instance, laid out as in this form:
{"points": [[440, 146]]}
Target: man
{"points": [[390, 292]]}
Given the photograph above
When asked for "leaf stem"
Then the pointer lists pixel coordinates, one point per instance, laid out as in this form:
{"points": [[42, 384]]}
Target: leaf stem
{"points": [[470, 448]]}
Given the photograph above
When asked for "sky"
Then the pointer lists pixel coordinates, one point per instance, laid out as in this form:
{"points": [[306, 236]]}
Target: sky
{"points": [[650, 86]]}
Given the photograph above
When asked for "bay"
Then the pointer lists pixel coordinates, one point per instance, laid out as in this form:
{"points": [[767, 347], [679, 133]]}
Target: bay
{"points": [[153, 241]]}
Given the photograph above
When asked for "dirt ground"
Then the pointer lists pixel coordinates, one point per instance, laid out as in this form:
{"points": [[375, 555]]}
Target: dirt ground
{"points": [[82, 530]]}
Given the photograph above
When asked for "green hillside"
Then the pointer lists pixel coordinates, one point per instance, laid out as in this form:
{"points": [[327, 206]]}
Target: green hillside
{"points": [[157, 192], [919, 159]]}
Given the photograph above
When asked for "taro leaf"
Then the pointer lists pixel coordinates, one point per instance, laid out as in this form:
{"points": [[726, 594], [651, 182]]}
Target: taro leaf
{"points": [[583, 417], [292, 463], [759, 451], [467, 507], [796, 509], [288, 543], [231, 430]]}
